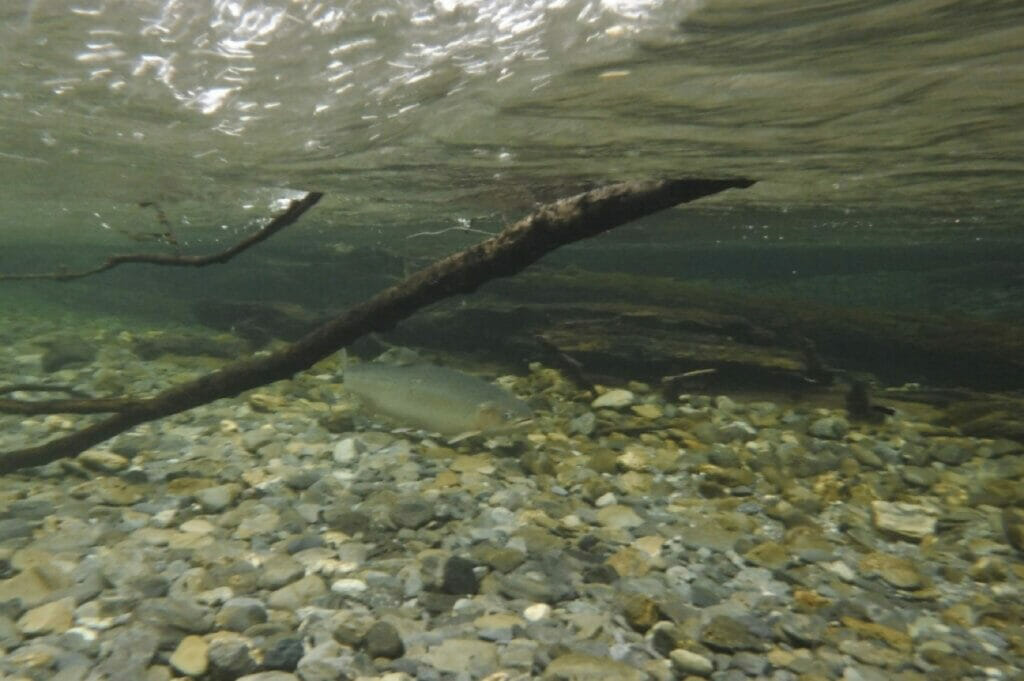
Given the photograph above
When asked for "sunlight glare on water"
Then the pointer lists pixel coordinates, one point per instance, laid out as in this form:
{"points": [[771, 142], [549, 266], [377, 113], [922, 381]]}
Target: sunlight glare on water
{"points": [[404, 109]]}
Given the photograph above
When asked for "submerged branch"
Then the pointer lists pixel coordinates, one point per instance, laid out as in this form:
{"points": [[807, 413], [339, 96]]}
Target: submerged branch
{"points": [[513, 249], [292, 213]]}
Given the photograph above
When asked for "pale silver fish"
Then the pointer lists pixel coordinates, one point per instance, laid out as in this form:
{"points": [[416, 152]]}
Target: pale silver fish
{"points": [[435, 398]]}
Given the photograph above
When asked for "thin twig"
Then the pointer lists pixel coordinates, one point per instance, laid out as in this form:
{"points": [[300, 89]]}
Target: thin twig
{"points": [[292, 213], [464, 226]]}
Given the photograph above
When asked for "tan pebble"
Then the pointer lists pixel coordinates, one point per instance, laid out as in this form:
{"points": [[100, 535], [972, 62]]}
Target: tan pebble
{"points": [[898, 571], [34, 585], [614, 398], [647, 411], [641, 612], [198, 525], [190, 657], [479, 463], [651, 545], [618, 516], [634, 459], [629, 562], [895, 638], [446, 479], [103, 461], [634, 482], [50, 618], [810, 599]]}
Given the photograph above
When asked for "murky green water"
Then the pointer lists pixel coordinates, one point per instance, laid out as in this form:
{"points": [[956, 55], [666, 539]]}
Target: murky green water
{"points": [[884, 136], [775, 433]]}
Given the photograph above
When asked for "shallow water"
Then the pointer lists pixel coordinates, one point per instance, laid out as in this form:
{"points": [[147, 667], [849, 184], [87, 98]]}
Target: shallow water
{"points": [[776, 433], [887, 117]]}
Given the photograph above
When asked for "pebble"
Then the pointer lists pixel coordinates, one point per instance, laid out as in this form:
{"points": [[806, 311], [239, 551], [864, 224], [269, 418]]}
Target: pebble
{"points": [[614, 399], [190, 657], [269, 676], [583, 667], [829, 427], [50, 618], [383, 640], [217, 498], [297, 594], [238, 614], [898, 571], [728, 634], [627, 538], [349, 587], [459, 577], [688, 662], [910, 521], [456, 655], [278, 571], [103, 461], [230, 657], [412, 513], [283, 653], [619, 517], [537, 612]]}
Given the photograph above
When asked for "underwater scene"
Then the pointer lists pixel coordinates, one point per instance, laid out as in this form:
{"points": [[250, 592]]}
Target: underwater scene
{"points": [[465, 340]]}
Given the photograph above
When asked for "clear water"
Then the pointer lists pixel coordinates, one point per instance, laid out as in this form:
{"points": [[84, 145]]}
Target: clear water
{"points": [[885, 137]]}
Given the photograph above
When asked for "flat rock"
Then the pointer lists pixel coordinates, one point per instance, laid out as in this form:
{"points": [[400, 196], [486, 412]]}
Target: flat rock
{"points": [[769, 554], [619, 517], [50, 618], [238, 614], [477, 658], [278, 571], [897, 571], [615, 398], [910, 521], [34, 585], [298, 593], [116, 492], [582, 667], [217, 498], [103, 461], [728, 634]]}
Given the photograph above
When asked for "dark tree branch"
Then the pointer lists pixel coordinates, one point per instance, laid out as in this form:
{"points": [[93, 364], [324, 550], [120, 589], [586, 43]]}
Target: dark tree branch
{"points": [[514, 248], [292, 213]]}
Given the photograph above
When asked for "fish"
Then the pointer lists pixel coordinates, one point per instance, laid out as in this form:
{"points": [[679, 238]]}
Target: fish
{"points": [[435, 398]]}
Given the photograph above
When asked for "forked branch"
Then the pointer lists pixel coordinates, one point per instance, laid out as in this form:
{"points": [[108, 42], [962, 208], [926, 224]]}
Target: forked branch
{"points": [[292, 213], [511, 250]]}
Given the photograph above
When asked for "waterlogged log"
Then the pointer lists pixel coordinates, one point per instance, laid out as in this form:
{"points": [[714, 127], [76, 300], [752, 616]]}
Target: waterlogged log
{"points": [[510, 251]]}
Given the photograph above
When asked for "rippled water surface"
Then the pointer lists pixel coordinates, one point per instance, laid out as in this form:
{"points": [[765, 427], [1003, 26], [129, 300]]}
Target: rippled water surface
{"points": [[907, 117]]}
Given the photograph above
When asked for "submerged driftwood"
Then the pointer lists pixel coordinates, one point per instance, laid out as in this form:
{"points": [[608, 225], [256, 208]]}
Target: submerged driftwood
{"points": [[896, 346], [514, 248], [292, 213]]}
